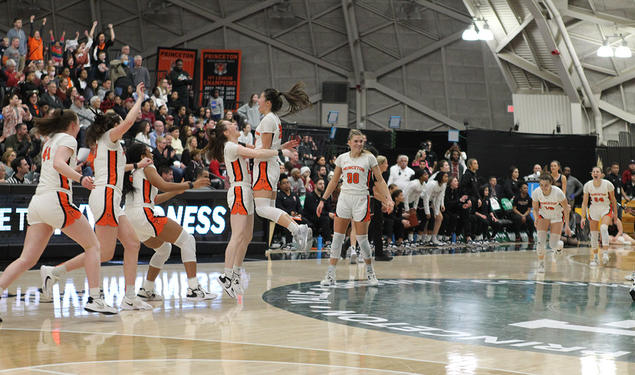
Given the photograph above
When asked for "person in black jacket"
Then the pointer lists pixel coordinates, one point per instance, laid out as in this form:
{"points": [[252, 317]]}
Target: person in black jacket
{"points": [[521, 214], [615, 178], [321, 225], [180, 80], [288, 202], [457, 210], [512, 183], [469, 183]]}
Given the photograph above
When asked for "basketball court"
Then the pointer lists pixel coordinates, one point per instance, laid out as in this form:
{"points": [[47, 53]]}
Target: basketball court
{"points": [[443, 313]]}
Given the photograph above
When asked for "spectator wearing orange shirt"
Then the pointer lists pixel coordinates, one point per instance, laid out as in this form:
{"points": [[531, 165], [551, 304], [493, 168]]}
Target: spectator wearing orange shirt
{"points": [[35, 43]]}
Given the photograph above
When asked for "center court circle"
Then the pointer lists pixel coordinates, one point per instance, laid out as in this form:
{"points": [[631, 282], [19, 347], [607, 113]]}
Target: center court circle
{"points": [[570, 318]]}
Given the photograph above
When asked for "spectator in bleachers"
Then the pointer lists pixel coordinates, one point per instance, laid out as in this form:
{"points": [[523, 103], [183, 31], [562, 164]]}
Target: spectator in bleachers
{"points": [[12, 52], [629, 189], [91, 89], [8, 157], [512, 183], [176, 142], [14, 113], [57, 49], [50, 97], [85, 115], [559, 179], [180, 117], [22, 46], [164, 155], [140, 73], [614, 177], [20, 142], [159, 131], [626, 175], [400, 173], [9, 75], [484, 217], [35, 44], [146, 111], [288, 201], [180, 80], [322, 225], [305, 174], [101, 47], [420, 161], [191, 144], [431, 156], [469, 183], [216, 105], [537, 170], [495, 190], [34, 105], [21, 168], [105, 87], [4, 44], [249, 111], [295, 182], [522, 209], [194, 165], [143, 134], [3, 173], [574, 186], [245, 135], [395, 224]]}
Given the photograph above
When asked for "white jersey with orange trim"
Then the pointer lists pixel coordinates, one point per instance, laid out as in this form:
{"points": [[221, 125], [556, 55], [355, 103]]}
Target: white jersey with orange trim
{"points": [[237, 166], [110, 163], [144, 192], [270, 124], [356, 172], [549, 206], [599, 196], [50, 179]]}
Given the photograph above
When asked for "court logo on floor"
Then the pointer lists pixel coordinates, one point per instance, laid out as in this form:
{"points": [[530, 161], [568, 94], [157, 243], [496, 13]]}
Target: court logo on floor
{"points": [[572, 318]]}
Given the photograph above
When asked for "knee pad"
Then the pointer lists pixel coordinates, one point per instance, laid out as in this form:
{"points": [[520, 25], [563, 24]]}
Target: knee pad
{"points": [[594, 240], [187, 243], [336, 245], [161, 255], [364, 245], [604, 233], [542, 243], [265, 210], [553, 241]]}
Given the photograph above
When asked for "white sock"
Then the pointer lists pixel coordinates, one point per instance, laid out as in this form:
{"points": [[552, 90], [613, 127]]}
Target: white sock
{"points": [[59, 271], [93, 292], [130, 293], [192, 282], [331, 269], [236, 272], [411, 237], [293, 227], [369, 268], [228, 272], [148, 285]]}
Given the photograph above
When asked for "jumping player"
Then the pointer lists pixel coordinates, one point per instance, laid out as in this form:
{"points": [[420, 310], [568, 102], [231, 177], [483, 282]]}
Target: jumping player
{"points": [[551, 208], [160, 232], [267, 170], [357, 167], [52, 207], [602, 212], [223, 145]]}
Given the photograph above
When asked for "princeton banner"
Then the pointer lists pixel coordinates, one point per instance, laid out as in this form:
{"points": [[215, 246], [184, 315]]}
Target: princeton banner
{"points": [[220, 69], [167, 56]]}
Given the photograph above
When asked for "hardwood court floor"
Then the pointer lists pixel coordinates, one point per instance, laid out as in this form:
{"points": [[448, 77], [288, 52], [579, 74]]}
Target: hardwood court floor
{"points": [[482, 313]]}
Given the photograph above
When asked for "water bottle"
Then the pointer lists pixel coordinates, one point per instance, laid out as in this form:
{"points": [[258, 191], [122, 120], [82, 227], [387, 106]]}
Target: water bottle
{"points": [[319, 242]]}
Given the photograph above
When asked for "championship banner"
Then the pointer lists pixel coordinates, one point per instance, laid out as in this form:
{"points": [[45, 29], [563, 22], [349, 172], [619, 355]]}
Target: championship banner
{"points": [[220, 69], [167, 56]]}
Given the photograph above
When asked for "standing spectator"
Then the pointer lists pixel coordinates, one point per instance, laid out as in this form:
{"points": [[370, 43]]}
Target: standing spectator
{"points": [[140, 73], [626, 175], [614, 177], [12, 52], [20, 142], [462, 156], [249, 111], [4, 44], [57, 49], [469, 183], [457, 167], [35, 43], [125, 50], [102, 45], [431, 156], [522, 209], [320, 225], [559, 179], [17, 32], [180, 80], [512, 184], [50, 97], [400, 173], [575, 187], [495, 190], [14, 113], [216, 105], [245, 135], [21, 168], [164, 90], [377, 219], [535, 174]]}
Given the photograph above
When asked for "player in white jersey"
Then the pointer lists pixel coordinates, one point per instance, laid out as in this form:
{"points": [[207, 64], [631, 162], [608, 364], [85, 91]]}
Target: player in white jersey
{"points": [[105, 200], [416, 191], [551, 208], [160, 232], [223, 146], [52, 208], [356, 167], [435, 190], [267, 170], [603, 211]]}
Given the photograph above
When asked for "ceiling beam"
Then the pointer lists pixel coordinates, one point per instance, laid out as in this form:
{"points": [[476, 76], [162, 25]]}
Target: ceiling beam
{"points": [[452, 13], [623, 77], [513, 33], [616, 111], [599, 69], [530, 67], [419, 54], [598, 18], [414, 104]]}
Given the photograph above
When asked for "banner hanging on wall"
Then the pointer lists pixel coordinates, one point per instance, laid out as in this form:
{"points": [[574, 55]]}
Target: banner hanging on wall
{"points": [[167, 56], [220, 69]]}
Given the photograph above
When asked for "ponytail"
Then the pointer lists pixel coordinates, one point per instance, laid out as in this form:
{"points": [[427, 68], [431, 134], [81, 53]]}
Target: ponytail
{"points": [[297, 98], [103, 123], [57, 123], [216, 141]]}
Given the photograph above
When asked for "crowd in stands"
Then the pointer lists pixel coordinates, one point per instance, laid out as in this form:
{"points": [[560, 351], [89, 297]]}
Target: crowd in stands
{"points": [[437, 199]]}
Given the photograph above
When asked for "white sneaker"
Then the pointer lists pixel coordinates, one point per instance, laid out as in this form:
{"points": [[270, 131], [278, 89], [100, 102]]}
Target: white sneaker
{"points": [[237, 286], [605, 258], [48, 280], [97, 305], [595, 261], [329, 279], [630, 277], [149, 295], [353, 253], [199, 294], [631, 292], [372, 279], [436, 242], [135, 303], [226, 283], [541, 267], [302, 237]]}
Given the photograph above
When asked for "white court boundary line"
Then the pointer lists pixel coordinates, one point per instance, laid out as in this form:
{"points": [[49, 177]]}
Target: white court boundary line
{"points": [[246, 343], [37, 368]]}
